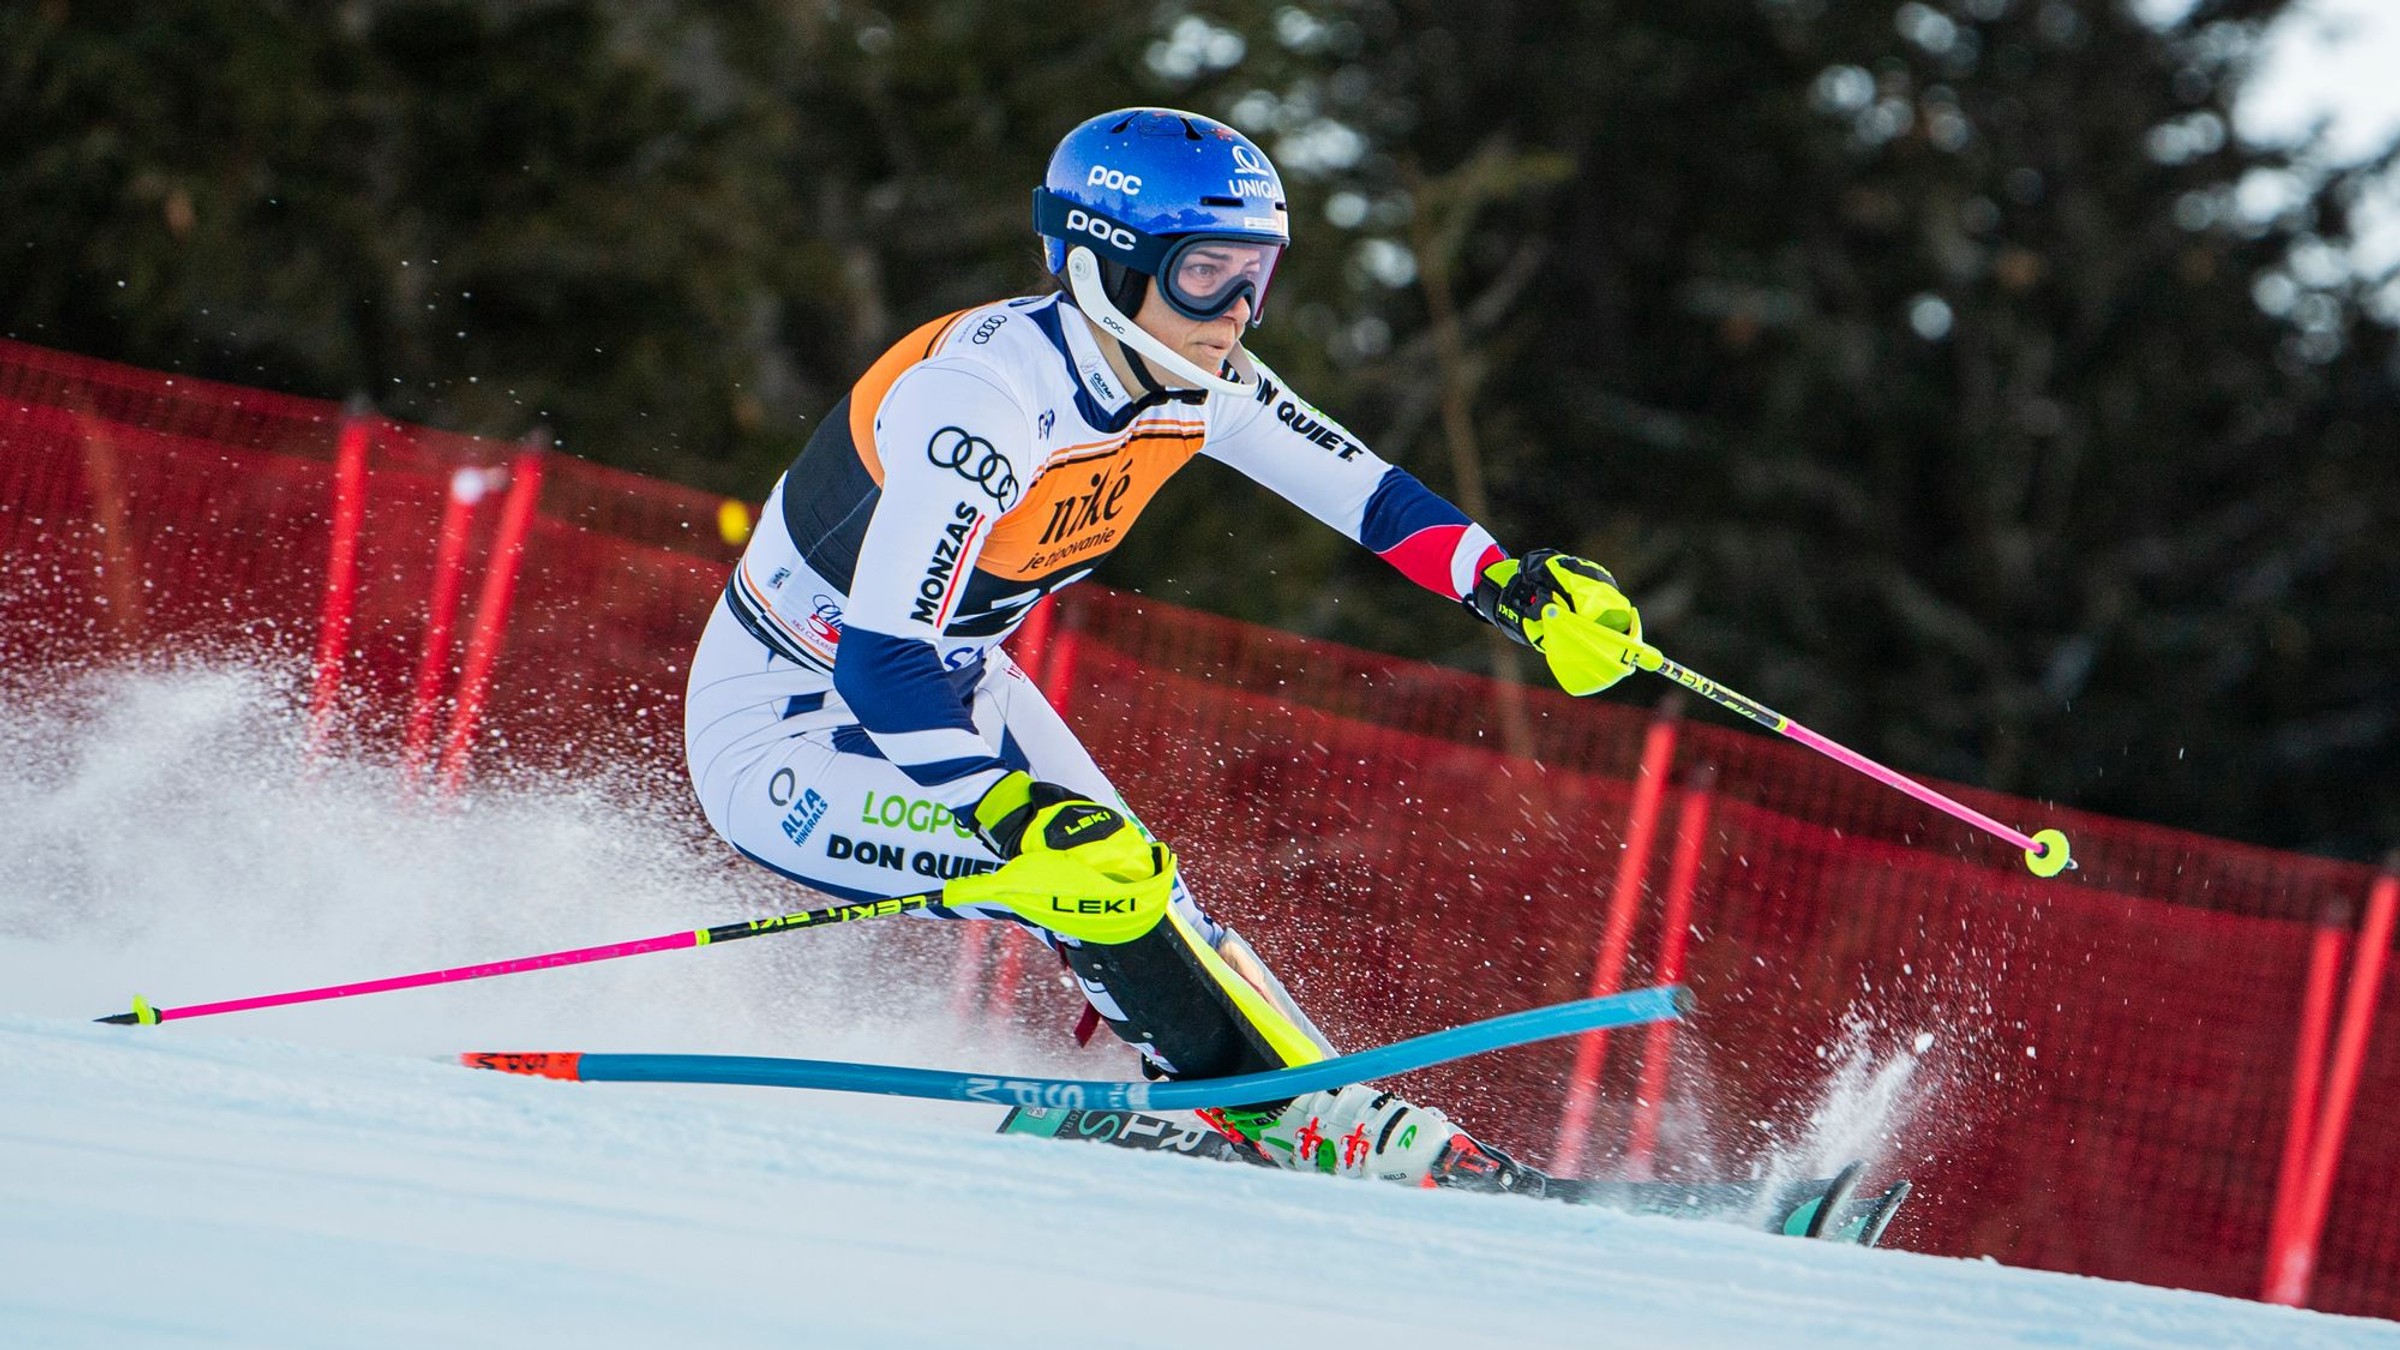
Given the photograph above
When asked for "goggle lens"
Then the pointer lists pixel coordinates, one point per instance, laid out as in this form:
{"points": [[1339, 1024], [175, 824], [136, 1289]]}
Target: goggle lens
{"points": [[1203, 277]]}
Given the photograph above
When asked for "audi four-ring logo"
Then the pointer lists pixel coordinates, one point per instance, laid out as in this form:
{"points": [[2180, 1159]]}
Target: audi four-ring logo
{"points": [[972, 457]]}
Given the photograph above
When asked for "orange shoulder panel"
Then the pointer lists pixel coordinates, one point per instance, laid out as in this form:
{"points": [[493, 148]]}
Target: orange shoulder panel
{"points": [[866, 396]]}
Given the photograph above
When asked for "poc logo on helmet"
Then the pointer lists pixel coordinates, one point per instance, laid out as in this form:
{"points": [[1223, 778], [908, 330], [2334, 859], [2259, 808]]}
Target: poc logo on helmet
{"points": [[1114, 235], [1115, 180]]}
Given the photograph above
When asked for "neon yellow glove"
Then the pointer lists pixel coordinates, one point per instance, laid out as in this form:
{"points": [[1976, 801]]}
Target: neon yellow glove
{"points": [[1567, 608], [1073, 866]]}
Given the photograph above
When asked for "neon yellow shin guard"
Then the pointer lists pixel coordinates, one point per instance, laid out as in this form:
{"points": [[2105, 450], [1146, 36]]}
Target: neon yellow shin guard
{"points": [[1172, 994], [1263, 1021], [1153, 976]]}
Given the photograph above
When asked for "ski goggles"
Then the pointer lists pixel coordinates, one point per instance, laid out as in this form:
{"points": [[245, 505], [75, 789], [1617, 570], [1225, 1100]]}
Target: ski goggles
{"points": [[1203, 275], [1199, 274]]}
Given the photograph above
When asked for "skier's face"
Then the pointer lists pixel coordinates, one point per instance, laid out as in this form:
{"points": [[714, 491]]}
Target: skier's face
{"points": [[1205, 343]]}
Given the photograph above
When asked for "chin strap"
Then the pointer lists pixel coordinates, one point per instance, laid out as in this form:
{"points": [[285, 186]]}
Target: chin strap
{"points": [[1154, 391], [1083, 283]]}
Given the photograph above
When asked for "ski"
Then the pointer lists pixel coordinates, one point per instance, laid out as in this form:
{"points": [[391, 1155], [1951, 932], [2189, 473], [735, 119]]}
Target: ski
{"points": [[1824, 1208], [1865, 1225], [1814, 1216], [1632, 1008], [1828, 1209], [1129, 1129]]}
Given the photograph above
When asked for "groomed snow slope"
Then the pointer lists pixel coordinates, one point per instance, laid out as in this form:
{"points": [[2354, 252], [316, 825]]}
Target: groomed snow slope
{"points": [[165, 1188]]}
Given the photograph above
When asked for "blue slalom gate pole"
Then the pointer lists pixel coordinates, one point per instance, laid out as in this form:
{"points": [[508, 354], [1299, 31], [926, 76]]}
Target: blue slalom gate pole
{"points": [[1632, 1008]]}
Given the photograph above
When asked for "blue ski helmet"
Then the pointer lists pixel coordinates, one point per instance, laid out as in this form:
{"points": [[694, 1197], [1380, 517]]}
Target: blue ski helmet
{"points": [[1171, 196]]}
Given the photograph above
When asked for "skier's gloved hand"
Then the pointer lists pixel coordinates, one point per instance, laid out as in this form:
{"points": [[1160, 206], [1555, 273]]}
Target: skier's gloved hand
{"points": [[1072, 865], [1567, 608], [1001, 816]]}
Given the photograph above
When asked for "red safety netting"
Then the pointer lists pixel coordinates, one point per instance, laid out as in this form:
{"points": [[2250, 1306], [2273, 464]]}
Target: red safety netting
{"points": [[2109, 1082]]}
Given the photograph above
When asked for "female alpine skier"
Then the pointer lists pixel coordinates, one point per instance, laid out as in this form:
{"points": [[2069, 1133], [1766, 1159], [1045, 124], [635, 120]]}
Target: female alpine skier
{"points": [[852, 722]]}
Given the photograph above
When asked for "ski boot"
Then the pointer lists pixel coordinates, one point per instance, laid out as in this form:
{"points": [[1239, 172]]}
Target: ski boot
{"points": [[1355, 1131]]}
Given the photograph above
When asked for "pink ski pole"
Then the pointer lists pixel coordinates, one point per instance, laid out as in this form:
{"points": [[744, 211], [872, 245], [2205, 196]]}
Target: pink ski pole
{"points": [[145, 1015], [2045, 850]]}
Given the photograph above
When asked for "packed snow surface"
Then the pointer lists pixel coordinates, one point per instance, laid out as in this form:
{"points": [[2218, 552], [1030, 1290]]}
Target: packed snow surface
{"points": [[327, 1176]]}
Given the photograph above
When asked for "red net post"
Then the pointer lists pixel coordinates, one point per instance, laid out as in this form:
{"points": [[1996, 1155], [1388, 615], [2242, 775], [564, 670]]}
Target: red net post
{"points": [[967, 983], [341, 571], [120, 556], [1008, 974], [1062, 646], [1030, 648], [443, 591], [491, 612], [2295, 1265], [1624, 906], [2308, 1075], [1674, 942]]}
